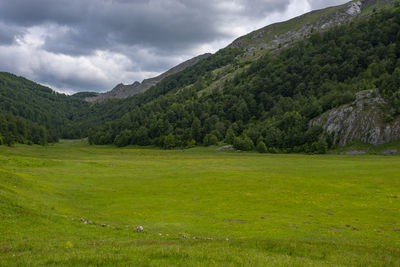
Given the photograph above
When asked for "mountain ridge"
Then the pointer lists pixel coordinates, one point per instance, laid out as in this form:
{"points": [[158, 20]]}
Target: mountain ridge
{"points": [[122, 91]]}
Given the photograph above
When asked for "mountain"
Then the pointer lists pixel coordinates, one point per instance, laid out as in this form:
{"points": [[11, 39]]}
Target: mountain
{"points": [[274, 83], [83, 95], [123, 91], [309, 84], [280, 35]]}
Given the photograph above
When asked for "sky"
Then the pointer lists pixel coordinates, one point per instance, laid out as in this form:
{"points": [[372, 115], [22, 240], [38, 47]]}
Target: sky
{"points": [[92, 45]]}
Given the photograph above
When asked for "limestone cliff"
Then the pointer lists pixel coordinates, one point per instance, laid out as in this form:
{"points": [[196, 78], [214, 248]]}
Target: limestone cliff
{"points": [[362, 120]]}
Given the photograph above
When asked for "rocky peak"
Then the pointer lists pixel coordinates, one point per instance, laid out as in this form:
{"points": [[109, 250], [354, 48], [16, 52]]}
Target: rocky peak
{"points": [[123, 91]]}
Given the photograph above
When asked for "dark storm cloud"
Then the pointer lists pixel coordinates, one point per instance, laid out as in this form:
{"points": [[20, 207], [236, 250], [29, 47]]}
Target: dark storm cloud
{"points": [[100, 24], [94, 44], [9, 33]]}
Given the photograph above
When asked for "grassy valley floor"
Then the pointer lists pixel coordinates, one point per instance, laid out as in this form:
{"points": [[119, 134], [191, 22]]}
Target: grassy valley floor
{"points": [[197, 207]]}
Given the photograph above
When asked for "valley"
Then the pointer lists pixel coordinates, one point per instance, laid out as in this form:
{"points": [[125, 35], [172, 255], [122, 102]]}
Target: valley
{"points": [[281, 149], [197, 207]]}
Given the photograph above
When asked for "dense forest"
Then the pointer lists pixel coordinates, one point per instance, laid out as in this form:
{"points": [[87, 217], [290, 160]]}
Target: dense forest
{"points": [[269, 105], [25, 105], [266, 105]]}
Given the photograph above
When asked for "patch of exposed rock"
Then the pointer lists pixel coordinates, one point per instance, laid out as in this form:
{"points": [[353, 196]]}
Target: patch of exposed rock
{"points": [[124, 91], [390, 152], [362, 120], [356, 152], [227, 148]]}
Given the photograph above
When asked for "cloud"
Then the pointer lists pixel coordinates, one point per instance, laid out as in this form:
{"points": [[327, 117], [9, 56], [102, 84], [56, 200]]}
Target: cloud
{"points": [[318, 4], [78, 45]]}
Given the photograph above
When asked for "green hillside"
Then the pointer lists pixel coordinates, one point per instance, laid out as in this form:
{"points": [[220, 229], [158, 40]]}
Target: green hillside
{"points": [[271, 101], [25, 104], [261, 91]]}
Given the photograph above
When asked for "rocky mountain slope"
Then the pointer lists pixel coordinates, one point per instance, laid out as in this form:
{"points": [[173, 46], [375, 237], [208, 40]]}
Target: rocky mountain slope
{"points": [[280, 35], [363, 120], [123, 91]]}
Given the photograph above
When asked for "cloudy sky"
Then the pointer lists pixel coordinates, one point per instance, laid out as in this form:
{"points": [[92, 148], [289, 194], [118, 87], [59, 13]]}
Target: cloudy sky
{"points": [[92, 45]]}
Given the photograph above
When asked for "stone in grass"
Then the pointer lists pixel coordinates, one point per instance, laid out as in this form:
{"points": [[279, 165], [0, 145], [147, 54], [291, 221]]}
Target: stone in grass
{"points": [[390, 152], [139, 229], [225, 148], [88, 222]]}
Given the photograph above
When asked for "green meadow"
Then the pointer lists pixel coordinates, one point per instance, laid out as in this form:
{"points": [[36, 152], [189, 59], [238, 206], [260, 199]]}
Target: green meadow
{"points": [[197, 208]]}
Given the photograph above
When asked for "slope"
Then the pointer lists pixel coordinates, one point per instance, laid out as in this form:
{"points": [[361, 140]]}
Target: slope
{"points": [[24, 103], [271, 100], [124, 91]]}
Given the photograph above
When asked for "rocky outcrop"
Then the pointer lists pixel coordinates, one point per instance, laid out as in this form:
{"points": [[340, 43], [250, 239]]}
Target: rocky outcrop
{"points": [[362, 120], [123, 91]]}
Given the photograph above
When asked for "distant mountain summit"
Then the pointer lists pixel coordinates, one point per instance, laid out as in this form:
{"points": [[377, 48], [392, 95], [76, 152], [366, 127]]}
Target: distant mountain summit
{"points": [[124, 91]]}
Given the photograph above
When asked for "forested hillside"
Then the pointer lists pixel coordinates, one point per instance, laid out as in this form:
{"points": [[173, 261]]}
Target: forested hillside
{"points": [[270, 103], [33, 113], [113, 109], [252, 97]]}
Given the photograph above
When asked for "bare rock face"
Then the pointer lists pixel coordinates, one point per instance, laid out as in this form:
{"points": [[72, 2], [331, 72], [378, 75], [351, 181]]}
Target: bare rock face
{"points": [[362, 120]]}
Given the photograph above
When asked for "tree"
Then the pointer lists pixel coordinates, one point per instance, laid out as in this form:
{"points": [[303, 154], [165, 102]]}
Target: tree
{"points": [[229, 136], [319, 147], [243, 143], [169, 141], [191, 143], [124, 138], [210, 140], [196, 130], [261, 147], [142, 136]]}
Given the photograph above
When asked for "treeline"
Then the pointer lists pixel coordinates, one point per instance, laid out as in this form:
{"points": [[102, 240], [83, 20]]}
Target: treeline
{"points": [[115, 108], [29, 103], [18, 130], [69, 116], [269, 105]]}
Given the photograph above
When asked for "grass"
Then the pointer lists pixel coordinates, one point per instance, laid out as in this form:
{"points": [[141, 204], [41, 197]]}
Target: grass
{"points": [[368, 148], [198, 208]]}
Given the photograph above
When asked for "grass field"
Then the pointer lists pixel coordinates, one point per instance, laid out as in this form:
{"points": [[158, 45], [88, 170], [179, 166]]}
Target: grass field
{"points": [[198, 208]]}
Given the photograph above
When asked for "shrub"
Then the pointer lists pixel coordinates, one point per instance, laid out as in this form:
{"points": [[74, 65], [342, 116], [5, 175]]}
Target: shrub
{"points": [[261, 147], [169, 141], [319, 147], [191, 143], [123, 139], [243, 143], [210, 140], [229, 136]]}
